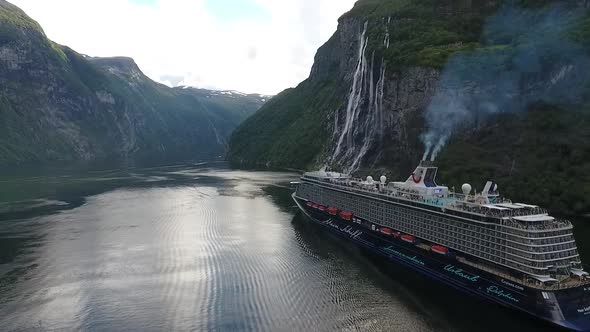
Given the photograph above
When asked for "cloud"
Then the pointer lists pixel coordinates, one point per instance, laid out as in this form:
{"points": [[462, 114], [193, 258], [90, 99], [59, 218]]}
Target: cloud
{"points": [[264, 46]]}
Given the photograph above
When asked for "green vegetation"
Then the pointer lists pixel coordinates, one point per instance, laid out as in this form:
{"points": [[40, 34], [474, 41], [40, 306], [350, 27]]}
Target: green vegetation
{"points": [[422, 32], [379, 8], [425, 43], [57, 105], [59, 51], [11, 15], [580, 31], [289, 130], [541, 155]]}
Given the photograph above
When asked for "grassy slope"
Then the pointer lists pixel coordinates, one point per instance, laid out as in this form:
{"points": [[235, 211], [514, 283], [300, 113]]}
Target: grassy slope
{"points": [[14, 16], [430, 30], [290, 129]]}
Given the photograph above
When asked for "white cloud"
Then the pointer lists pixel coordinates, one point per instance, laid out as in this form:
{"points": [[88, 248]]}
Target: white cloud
{"points": [[181, 38]]}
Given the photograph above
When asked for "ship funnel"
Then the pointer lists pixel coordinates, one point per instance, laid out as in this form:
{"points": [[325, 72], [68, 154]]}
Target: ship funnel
{"points": [[490, 189], [424, 175], [426, 163]]}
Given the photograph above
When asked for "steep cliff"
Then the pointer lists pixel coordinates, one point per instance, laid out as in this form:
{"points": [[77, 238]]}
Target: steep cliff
{"points": [[367, 86], [503, 83], [56, 104]]}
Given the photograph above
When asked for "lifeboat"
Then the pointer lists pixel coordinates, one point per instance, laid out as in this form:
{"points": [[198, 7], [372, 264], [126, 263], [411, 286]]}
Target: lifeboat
{"points": [[310, 204], [408, 238], [346, 215], [321, 208], [386, 231], [333, 211], [440, 249]]}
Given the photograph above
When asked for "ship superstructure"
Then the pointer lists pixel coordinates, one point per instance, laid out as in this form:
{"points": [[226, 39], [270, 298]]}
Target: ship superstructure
{"points": [[519, 243]]}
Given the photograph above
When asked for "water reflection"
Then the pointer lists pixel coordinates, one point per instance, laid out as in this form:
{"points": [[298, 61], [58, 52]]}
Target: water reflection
{"points": [[208, 248]]}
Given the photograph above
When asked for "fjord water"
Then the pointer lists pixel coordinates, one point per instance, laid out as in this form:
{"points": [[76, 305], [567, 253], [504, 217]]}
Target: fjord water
{"points": [[203, 247]]}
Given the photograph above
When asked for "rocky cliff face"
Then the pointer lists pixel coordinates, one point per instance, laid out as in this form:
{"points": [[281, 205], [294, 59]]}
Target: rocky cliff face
{"points": [[382, 106], [387, 97], [368, 103], [377, 74], [56, 104]]}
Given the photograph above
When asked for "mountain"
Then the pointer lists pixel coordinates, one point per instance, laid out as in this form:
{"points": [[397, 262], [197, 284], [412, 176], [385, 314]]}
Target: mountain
{"points": [[58, 105], [490, 89]]}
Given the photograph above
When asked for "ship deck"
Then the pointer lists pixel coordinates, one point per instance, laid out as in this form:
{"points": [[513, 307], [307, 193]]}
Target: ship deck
{"points": [[486, 212], [563, 284], [446, 203]]}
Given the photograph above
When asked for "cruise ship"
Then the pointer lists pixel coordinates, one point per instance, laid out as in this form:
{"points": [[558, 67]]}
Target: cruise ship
{"points": [[509, 253]]}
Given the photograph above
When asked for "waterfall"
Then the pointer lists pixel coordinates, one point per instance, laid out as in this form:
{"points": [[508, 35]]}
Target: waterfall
{"points": [[355, 93], [360, 128], [379, 100], [375, 120], [386, 39]]}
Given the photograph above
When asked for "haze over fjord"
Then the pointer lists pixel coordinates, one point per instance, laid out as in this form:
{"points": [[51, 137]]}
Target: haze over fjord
{"points": [[254, 46]]}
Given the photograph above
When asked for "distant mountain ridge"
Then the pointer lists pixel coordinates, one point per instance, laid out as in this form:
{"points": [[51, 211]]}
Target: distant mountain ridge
{"points": [[58, 105]]}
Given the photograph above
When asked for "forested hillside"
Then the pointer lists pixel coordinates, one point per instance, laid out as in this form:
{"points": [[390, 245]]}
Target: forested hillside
{"points": [[58, 105], [499, 88]]}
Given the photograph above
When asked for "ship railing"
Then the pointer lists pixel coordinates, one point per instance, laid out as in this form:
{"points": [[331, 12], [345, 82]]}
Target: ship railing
{"points": [[564, 285], [570, 283], [460, 204], [513, 213], [541, 226], [413, 195], [353, 186], [472, 207], [490, 269], [458, 196], [471, 198]]}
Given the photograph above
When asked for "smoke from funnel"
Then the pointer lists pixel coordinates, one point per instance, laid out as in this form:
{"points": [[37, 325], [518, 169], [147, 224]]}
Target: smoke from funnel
{"points": [[439, 145], [526, 56], [427, 152]]}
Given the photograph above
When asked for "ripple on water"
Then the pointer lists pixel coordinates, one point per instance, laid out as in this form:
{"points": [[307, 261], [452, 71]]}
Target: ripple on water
{"points": [[214, 254]]}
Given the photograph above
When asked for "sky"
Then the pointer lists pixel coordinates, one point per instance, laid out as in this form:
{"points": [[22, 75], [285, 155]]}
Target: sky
{"points": [[253, 46]]}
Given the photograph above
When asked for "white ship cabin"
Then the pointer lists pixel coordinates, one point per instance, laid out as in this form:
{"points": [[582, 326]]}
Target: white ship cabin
{"points": [[326, 175]]}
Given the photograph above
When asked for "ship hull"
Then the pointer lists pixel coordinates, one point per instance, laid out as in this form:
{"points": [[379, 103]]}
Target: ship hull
{"points": [[565, 308]]}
